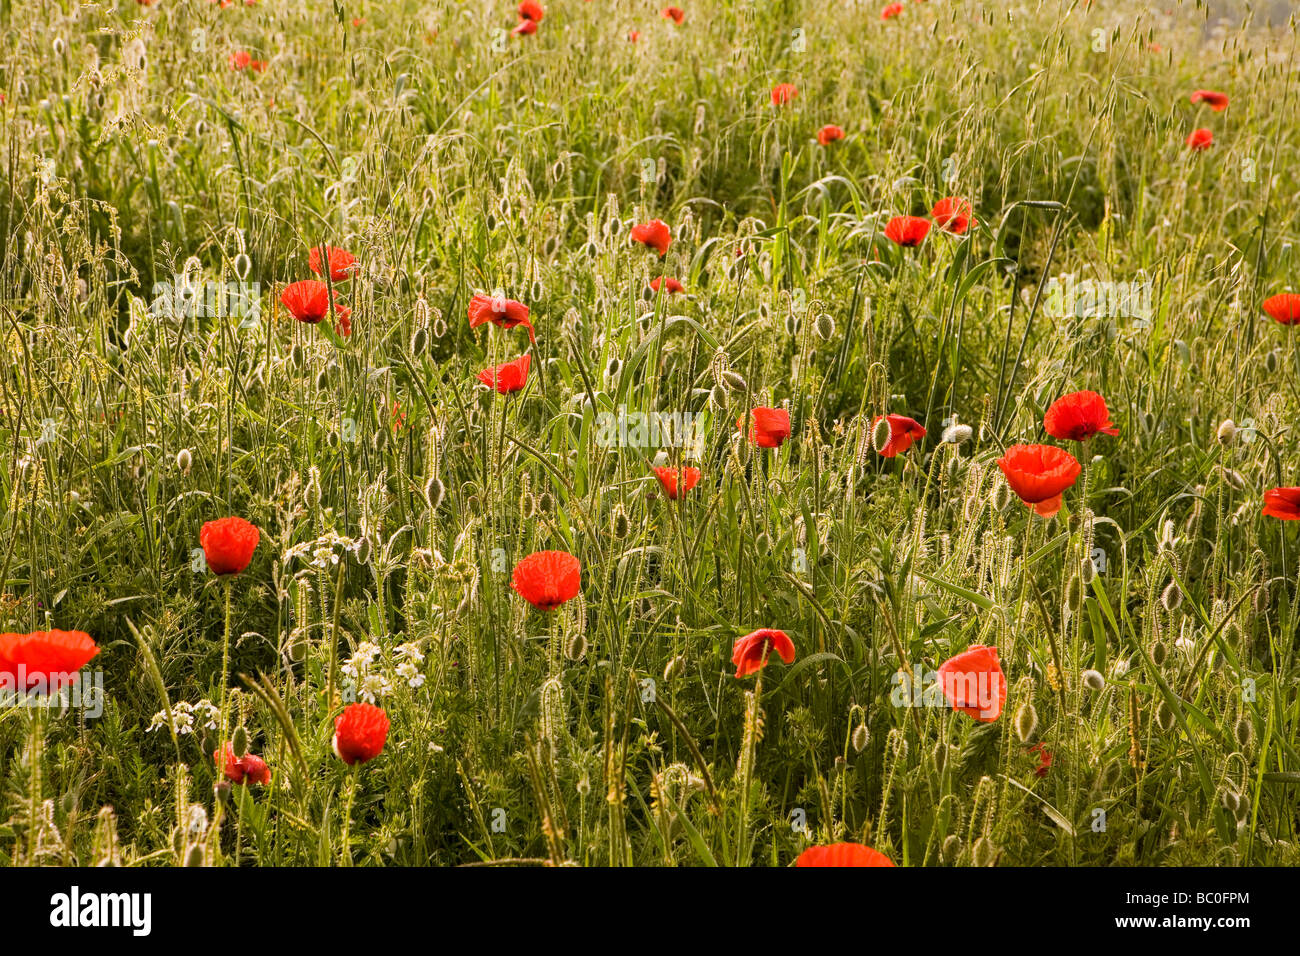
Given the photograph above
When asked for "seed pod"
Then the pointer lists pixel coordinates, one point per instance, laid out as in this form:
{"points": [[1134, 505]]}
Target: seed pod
{"points": [[861, 737], [1093, 680], [1026, 722], [184, 461], [239, 743]]}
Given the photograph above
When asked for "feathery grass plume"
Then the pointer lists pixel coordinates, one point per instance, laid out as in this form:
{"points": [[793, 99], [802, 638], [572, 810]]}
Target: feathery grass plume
{"points": [[1026, 721]]}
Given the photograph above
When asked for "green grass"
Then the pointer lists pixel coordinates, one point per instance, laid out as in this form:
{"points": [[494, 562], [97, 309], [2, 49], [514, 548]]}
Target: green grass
{"points": [[452, 160]]}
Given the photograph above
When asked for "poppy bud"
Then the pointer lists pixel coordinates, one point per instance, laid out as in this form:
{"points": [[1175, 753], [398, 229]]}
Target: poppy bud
{"points": [[576, 649], [1244, 731], [434, 490], [1158, 653], [546, 503], [1001, 497], [1026, 721], [621, 523], [984, 852], [861, 737], [178, 843], [1271, 361], [323, 379], [439, 327], [195, 855], [675, 667], [1171, 597], [239, 743], [1231, 801], [419, 340], [222, 792], [957, 434], [880, 434], [1093, 680], [296, 355], [718, 396], [825, 326], [363, 551], [312, 495], [1261, 599], [184, 460], [951, 848], [1227, 432], [1164, 716], [1087, 571], [734, 382]]}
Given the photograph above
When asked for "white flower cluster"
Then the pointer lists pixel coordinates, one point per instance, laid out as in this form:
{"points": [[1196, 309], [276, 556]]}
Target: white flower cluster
{"points": [[186, 716], [324, 551], [364, 670]]}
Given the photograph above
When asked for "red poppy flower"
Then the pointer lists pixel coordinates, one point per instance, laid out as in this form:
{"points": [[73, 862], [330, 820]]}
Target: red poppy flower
{"points": [[1044, 759], [307, 301], [1038, 474], [506, 378], [633, 35], [525, 28], [902, 432], [907, 230], [1078, 416], [1284, 308], [673, 285], [247, 769], [228, 544], [675, 14], [751, 651], [677, 483], [501, 312], [360, 732], [43, 659], [829, 134], [842, 854], [546, 579], [397, 416], [531, 10], [1215, 101], [654, 234], [1200, 139], [769, 427], [343, 320], [953, 214], [1282, 503], [893, 10], [783, 93], [974, 683], [340, 260]]}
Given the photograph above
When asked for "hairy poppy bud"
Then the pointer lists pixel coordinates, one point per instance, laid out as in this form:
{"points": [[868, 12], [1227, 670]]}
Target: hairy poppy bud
{"points": [[239, 743], [1244, 731], [1158, 653], [195, 856], [419, 340], [861, 737], [312, 494], [621, 524], [1227, 432], [1164, 716], [825, 326], [734, 382], [1026, 722], [434, 490], [184, 461], [1172, 596], [1093, 680], [576, 649]]}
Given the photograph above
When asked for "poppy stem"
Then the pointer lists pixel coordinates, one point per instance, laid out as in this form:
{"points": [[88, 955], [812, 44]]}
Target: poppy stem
{"points": [[228, 583], [345, 848]]}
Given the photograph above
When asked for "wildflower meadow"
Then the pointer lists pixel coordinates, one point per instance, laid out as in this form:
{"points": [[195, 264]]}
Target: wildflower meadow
{"points": [[748, 433]]}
